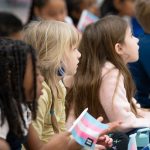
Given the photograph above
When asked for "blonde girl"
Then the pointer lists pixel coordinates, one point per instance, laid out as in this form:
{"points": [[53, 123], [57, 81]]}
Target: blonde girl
{"points": [[56, 44]]}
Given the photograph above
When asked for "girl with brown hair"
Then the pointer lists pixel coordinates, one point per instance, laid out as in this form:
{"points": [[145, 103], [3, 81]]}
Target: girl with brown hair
{"points": [[102, 82]]}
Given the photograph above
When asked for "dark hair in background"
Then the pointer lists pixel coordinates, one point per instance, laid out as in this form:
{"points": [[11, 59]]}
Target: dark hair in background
{"points": [[35, 3], [9, 24], [73, 6], [108, 8], [13, 59]]}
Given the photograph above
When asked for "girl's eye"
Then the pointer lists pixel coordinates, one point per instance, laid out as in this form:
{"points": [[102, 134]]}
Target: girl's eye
{"points": [[131, 34], [73, 49]]}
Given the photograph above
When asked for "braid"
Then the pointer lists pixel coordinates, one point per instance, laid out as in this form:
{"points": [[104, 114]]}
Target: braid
{"points": [[13, 58], [33, 104]]}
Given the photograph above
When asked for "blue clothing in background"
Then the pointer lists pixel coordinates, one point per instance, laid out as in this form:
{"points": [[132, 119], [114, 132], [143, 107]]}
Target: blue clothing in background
{"points": [[141, 71], [136, 28]]}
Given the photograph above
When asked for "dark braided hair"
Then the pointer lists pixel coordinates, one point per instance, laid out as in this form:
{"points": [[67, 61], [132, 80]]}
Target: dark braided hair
{"points": [[13, 59]]}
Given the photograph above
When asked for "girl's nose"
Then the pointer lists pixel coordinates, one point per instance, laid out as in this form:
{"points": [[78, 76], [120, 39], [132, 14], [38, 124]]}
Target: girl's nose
{"points": [[79, 54]]}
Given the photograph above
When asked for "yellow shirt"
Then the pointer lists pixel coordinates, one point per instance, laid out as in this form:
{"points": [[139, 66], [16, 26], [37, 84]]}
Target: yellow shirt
{"points": [[43, 124]]}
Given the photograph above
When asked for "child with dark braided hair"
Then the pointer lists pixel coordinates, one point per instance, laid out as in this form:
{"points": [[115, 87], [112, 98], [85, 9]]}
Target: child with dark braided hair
{"points": [[14, 93], [20, 86]]}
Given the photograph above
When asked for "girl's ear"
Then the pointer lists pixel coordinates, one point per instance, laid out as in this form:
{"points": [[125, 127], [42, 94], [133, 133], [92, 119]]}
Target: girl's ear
{"points": [[118, 48]]}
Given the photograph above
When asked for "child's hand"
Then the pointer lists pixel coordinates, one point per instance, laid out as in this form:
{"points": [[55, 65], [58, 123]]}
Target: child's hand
{"points": [[60, 141], [65, 142], [112, 126], [104, 142]]}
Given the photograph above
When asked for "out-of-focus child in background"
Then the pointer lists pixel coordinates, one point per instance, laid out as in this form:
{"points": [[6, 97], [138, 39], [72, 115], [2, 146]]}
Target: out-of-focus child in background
{"points": [[118, 7], [10, 26], [140, 70], [49, 9], [125, 9], [75, 8]]}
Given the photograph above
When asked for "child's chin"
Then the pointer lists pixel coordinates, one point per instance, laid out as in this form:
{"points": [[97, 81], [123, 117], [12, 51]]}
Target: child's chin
{"points": [[134, 60]]}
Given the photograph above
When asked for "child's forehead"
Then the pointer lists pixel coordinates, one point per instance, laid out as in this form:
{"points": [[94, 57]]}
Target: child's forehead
{"points": [[56, 4], [56, 1]]}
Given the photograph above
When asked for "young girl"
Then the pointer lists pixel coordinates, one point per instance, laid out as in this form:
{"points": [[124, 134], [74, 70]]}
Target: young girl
{"points": [[56, 45], [49, 9], [103, 82], [21, 84]]}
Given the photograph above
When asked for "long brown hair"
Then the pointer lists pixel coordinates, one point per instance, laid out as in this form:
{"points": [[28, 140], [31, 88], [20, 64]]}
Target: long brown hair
{"points": [[98, 46]]}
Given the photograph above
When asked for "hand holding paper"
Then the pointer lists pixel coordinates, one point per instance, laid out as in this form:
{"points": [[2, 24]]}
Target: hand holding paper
{"points": [[86, 129], [86, 19]]}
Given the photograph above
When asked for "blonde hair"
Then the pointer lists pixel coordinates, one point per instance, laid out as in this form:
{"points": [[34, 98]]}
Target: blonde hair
{"points": [[51, 39]]}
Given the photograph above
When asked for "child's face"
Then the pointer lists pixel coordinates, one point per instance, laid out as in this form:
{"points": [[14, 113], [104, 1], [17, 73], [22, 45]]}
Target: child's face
{"points": [[28, 81], [54, 9], [129, 49], [71, 60], [90, 5], [127, 8]]}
